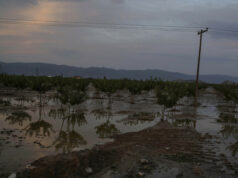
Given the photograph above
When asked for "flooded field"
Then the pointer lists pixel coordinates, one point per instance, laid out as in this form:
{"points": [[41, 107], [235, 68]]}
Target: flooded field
{"points": [[29, 131]]}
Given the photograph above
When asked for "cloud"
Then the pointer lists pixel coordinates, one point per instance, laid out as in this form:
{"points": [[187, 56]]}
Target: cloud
{"points": [[123, 48], [65, 53], [17, 2]]}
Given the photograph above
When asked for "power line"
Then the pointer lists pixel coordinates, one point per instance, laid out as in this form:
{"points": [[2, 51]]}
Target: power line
{"points": [[223, 30], [94, 23], [111, 27], [99, 25], [77, 24]]}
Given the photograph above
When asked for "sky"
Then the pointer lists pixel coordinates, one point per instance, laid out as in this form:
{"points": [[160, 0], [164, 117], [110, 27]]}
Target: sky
{"points": [[123, 48]]}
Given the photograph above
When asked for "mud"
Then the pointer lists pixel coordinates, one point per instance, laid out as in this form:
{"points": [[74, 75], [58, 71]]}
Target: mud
{"points": [[129, 155]]}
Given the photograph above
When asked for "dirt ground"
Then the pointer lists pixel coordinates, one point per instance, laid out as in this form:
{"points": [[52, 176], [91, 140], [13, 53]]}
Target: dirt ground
{"points": [[160, 151]]}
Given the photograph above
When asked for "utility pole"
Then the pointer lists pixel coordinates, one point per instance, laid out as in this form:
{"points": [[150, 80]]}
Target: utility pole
{"points": [[198, 65]]}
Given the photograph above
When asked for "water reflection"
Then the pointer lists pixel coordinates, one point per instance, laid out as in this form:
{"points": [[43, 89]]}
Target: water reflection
{"points": [[134, 122], [233, 148], [106, 130], [139, 118], [76, 118], [229, 118], [185, 123], [56, 127], [23, 100], [68, 138], [18, 118], [229, 131], [185, 116], [40, 127], [102, 113], [57, 113]]}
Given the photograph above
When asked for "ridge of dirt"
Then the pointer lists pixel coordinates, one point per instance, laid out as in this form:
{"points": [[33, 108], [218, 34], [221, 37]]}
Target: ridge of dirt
{"points": [[122, 156]]}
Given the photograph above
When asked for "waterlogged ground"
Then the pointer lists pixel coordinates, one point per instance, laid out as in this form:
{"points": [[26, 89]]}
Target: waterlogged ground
{"points": [[29, 132], [192, 141]]}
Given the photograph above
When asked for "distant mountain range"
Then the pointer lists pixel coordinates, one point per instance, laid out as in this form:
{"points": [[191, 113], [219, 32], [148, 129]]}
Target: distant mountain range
{"points": [[100, 72]]}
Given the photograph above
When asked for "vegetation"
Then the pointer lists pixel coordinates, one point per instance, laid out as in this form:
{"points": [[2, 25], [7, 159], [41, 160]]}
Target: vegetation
{"points": [[233, 148], [227, 118], [71, 91], [230, 91], [229, 131], [169, 93], [4, 102], [43, 84], [70, 96]]}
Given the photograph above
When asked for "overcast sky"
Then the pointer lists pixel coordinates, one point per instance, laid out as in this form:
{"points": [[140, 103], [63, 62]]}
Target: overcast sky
{"points": [[123, 48]]}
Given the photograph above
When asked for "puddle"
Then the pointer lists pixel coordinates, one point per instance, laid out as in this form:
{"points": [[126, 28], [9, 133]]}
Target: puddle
{"points": [[35, 132], [217, 119], [49, 130]]}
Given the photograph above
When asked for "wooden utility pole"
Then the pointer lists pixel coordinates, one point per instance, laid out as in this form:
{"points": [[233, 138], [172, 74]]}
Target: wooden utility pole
{"points": [[198, 65]]}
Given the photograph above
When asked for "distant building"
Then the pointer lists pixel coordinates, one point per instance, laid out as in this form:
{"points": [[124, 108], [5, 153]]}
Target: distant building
{"points": [[77, 77]]}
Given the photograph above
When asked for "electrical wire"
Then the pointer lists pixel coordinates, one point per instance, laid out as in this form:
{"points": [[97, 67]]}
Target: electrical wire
{"points": [[98, 25], [171, 28]]}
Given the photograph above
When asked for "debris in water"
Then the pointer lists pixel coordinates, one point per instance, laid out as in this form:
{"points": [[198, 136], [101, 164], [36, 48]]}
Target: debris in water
{"points": [[89, 170], [13, 175], [29, 166], [144, 161], [141, 174]]}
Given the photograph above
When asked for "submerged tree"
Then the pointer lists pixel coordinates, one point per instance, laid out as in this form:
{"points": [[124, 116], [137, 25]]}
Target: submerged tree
{"points": [[41, 86], [169, 94], [70, 96]]}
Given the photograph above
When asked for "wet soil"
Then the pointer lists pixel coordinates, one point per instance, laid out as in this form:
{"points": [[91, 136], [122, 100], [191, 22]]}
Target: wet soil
{"points": [[129, 155]]}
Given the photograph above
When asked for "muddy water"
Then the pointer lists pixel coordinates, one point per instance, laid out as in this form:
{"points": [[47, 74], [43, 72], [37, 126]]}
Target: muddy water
{"points": [[53, 129], [208, 119], [50, 129]]}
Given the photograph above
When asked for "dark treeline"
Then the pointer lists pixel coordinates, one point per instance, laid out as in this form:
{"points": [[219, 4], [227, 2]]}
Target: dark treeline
{"points": [[168, 92], [229, 91]]}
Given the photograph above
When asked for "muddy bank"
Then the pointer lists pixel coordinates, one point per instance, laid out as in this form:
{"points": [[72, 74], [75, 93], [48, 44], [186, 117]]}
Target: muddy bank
{"points": [[130, 155]]}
